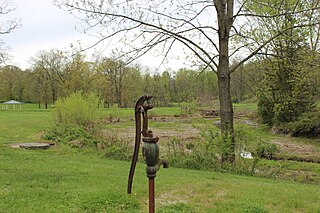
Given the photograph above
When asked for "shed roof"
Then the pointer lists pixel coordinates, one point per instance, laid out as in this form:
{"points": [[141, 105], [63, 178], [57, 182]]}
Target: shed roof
{"points": [[12, 102]]}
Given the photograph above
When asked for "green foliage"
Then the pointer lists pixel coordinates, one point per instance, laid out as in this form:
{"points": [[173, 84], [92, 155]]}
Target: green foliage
{"points": [[289, 84], [78, 109], [265, 109], [196, 158], [113, 146], [188, 108], [71, 134], [77, 137], [266, 150], [307, 125], [285, 95], [206, 153]]}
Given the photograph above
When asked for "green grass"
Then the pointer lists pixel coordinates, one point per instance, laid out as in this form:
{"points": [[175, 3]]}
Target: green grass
{"points": [[62, 179], [25, 106], [247, 106], [59, 179], [23, 125]]}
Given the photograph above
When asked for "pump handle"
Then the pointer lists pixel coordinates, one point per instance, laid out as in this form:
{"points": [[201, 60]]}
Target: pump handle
{"points": [[139, 108]]}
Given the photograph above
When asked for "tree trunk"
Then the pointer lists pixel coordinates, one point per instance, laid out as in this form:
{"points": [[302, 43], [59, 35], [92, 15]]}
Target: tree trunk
{"points": [[54, 95], [225, 20], [226, 116]]}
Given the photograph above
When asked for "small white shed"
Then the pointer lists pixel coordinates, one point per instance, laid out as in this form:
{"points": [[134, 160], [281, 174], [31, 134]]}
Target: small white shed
{"points": [[11, 103]]}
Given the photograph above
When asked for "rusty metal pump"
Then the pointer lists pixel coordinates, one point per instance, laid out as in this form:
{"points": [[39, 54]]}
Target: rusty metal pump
{"points": [[150, 149]]}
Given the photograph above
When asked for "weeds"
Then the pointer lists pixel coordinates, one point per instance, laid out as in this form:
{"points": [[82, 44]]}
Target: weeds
{"points": [[68, 133], [113, 146], [77, 137], [206, 151]]}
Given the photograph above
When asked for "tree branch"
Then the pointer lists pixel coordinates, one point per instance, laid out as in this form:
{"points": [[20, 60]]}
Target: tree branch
{"points": [[265, 43]]}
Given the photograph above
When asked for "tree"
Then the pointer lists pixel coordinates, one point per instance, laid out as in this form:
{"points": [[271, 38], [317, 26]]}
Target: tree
{"points": [[114, 71], [286, 91], [7, 26], [123, 83], [41, 86], [78, 76], [52, 63], [11, 80], [142, 26]]}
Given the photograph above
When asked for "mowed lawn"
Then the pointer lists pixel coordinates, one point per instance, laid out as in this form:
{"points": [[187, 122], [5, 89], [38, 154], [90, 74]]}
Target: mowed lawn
{"points": [[61, 179], [23, 125]]}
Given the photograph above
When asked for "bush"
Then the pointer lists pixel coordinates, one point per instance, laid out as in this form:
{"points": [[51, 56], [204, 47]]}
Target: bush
{"points": [[266, 150], [196, 155], [77, 137], [113, 146], [207, 152], [265, 109], [69, 134], [78, 109], [307, 125]]}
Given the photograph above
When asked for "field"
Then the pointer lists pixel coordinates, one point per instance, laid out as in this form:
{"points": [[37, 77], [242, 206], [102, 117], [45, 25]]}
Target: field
{"points": [[62, 179]]}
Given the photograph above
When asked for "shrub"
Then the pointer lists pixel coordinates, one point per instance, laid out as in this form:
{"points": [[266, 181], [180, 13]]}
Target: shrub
{"points": [[265, 109], [266, 150], [69, 134], [204, 153], [307, 125], [78, 109], [77, 137], [113, 146], [189, 156]]}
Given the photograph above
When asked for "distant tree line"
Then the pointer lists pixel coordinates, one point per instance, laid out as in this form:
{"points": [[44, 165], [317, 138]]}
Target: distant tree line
{"points": [[54, 74]]}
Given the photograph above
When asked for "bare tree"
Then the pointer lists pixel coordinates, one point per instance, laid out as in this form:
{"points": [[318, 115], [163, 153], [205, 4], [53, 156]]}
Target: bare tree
{"points": [[6, 27], [204, 27]]}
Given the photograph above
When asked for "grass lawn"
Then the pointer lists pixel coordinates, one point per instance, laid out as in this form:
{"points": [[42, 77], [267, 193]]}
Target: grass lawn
{"points": [[23, 125], [59, 180], [62, 179]]}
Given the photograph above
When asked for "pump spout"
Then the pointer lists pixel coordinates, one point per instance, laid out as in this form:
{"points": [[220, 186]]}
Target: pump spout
{"points": [[164, 163]]}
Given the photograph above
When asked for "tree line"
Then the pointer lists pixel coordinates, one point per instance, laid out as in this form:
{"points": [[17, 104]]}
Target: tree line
{"points": [[54, 74]]}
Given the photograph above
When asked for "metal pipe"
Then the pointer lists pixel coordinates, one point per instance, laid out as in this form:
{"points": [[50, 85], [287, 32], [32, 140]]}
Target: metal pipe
{"points": [[151, 195]]}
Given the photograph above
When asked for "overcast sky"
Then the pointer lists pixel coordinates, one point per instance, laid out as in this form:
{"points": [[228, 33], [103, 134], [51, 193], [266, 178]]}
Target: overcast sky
{"points": [[44, 27]]}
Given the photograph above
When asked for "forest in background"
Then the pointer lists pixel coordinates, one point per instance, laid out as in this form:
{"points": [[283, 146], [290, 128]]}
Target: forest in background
{"points": [[54, 74]]}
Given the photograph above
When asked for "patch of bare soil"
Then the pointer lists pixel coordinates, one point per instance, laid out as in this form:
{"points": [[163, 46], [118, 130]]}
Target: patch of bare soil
{"points": [[296, 150], [187, 132], [184, 131]]}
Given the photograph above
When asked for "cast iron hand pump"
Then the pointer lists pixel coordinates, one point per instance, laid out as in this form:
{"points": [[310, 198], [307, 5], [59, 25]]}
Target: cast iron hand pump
{"points": [[150, 148]]}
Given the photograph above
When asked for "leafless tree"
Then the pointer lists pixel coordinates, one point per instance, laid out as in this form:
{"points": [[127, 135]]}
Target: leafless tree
{"points": [[6, 27]]}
